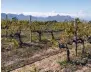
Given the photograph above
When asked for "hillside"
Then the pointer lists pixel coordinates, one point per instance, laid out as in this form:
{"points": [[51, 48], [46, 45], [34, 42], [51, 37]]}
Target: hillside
{"points": [[26, 17]]}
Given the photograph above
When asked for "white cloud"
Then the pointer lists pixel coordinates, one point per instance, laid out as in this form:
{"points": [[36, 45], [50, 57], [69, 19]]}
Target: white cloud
{"points": [[43, 14], [81, 14]]}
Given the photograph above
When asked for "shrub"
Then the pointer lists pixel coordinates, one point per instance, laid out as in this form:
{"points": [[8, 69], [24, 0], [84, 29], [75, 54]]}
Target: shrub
{"points": [[16, 44]]}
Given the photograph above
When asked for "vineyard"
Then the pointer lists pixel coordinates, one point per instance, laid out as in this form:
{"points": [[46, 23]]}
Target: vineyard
{"points": [[22, 40]]}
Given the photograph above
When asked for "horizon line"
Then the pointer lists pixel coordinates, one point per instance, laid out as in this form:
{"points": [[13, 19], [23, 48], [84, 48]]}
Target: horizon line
{"points": [[45, 14]]}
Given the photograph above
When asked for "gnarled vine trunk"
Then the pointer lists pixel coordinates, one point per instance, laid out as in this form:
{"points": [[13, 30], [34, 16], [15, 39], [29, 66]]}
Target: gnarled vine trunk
{"points": [[68, 53]]}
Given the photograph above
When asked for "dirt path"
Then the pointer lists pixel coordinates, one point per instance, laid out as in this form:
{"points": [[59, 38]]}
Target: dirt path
{"points": [[45, 64], [50, 64], [86, 68], [37, 57], [44, 61]]}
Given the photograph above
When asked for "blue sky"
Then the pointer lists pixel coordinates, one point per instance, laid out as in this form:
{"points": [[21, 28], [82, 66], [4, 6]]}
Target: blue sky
{"points": [[81, 8]]}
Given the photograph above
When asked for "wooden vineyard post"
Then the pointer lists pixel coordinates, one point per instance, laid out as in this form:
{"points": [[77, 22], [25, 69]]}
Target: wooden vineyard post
{"points": [[6, 26], [40, 36], [75, 25], [30, 29], [83, 47], [52, 35]]}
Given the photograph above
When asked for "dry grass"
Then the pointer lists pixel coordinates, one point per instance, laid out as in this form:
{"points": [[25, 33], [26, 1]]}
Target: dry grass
{"points": [[39, 60], [51, 64]]}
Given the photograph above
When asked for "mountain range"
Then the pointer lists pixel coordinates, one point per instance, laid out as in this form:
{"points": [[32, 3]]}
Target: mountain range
{"points": [[33, 18]]}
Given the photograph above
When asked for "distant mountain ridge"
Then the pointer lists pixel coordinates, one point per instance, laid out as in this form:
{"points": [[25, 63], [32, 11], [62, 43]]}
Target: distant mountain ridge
{"points": [[26, 17]]}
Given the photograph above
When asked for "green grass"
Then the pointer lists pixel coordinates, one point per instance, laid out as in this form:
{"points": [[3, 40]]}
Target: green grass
{"points": [[68, 65]]}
